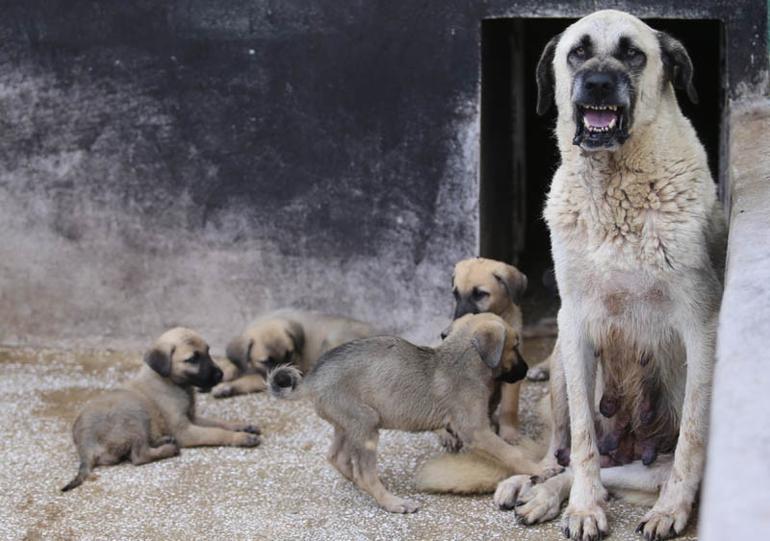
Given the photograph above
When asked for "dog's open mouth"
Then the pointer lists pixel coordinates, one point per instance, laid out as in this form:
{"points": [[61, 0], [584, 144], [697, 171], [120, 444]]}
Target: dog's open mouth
{"points": [[600, 126]]}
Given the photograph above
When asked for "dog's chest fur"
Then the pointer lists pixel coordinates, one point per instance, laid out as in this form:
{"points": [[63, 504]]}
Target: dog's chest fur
{"points": [[623, 228]]}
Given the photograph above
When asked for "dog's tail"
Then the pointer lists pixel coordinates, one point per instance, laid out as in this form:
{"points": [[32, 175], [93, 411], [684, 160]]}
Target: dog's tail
{"points": [[284, 382], [83, 472], [470, 473], [474, 473]]}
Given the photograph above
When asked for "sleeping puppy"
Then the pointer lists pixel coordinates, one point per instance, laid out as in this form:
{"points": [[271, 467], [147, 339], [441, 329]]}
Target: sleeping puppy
{"points": [[485, 285], [154, 415], [386, 382], [296, 337]]}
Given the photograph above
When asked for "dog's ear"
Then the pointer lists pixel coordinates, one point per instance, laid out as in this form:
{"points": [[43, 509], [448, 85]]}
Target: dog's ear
{"points": [[297, 334], [239, 351], [159, 360], [489, 341], [545, 77], [677, 64], [513, 280]]}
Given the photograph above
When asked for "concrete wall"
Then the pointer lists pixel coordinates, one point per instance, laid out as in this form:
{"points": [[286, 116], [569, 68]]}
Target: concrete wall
{"points": [[190, 162]]}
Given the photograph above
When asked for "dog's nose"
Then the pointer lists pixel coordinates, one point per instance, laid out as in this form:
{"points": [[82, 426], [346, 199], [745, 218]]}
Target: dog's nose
{"points": [[599, 83]]}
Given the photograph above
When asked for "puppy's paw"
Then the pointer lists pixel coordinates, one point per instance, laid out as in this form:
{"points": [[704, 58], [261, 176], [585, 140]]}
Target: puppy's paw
{"points": [[251, 429], [400, 505], [223, 390], [508, 491], [540, 372], [663, 523], [449, 441], [584, 523], [538, 503], [247, 439]]}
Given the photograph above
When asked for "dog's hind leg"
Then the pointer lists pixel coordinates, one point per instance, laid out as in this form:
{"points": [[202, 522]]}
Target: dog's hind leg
{"points": [[339, 454], [365, 476], [142, 453]]}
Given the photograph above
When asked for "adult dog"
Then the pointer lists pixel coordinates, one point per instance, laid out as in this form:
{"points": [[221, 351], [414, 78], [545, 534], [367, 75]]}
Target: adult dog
{"points": [[638, 239]]}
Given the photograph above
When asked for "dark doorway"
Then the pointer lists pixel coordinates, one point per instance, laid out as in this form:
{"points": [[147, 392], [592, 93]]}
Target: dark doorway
{"points": [[518, 151]]}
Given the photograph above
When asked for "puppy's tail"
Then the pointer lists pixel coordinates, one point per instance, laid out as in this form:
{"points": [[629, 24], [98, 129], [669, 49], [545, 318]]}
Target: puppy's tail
{"points": [[83, 472], [470, 473], [284, 382]]}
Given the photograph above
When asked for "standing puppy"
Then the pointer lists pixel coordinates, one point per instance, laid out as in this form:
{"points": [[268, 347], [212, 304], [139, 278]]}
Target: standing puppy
{"points": [[638, 240], [154, 415], [485, 285], [290, 336], [388, 383]]}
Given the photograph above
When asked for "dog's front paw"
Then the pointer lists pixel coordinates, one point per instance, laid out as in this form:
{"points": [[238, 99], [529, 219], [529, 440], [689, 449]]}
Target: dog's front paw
{"points": [[252, 429], [508, 491], [538, 503], [584, 523], [400, 505], [449, 441], [663, 523], [223, 390], [541, 372], [247, 439]]}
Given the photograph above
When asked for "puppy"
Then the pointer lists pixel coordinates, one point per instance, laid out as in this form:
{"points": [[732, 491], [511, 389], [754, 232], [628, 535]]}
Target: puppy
{"points": [[485, 285], [388, 383], [638, 239], [296, 337], [154, 415]]}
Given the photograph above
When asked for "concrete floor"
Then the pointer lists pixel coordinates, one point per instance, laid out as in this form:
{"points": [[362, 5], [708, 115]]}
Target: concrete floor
{"points": [[283, 489]]}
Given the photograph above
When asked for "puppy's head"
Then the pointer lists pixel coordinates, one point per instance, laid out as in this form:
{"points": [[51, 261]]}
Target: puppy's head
{"points": [[485, 285], [607, 74], [182, 355], [267, 344], [497, 344]]}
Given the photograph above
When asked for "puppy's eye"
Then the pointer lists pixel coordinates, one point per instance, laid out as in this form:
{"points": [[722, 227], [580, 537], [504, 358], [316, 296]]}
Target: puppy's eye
{"points": [[479, 294], [192, 360]]}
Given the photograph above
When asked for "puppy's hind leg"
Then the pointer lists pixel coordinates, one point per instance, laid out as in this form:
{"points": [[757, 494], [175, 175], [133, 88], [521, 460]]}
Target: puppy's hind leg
{"points": [[365, 476], [142, 453], [339, 454]]}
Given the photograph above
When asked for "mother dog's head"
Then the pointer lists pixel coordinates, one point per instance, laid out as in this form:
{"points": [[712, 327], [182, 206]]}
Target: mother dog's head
{"points": [[608, 74]]}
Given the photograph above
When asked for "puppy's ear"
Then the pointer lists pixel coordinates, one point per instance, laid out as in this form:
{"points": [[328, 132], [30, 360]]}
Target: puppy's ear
{"points": [[489, 340], [297, 334], [545, 77], [677, 64], [513, 280], [239, 351], [159, 360]]}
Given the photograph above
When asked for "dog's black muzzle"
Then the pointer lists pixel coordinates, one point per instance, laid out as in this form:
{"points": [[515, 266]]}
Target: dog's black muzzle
{"points": [[601, 102], [208, 376], [517, 373]]}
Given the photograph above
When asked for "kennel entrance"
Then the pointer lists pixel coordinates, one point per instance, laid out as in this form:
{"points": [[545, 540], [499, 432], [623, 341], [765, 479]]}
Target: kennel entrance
{"points": [[518, 150]]}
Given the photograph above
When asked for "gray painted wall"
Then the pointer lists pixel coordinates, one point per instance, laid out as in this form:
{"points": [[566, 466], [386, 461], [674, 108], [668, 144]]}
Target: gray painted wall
{"points": [[189, 162]]}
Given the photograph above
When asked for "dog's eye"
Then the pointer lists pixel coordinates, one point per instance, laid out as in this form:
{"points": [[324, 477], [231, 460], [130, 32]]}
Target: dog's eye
{"points": [[632, 52], [192, 360], [579, 51], [479, 294]]}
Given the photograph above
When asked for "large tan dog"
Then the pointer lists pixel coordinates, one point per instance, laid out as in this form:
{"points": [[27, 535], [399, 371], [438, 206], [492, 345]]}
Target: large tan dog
{"points": [[386, 382], [298, 337], [638, 242], [485, 285], [154, 415]]}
